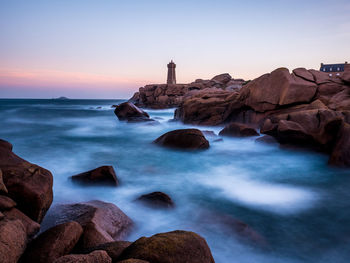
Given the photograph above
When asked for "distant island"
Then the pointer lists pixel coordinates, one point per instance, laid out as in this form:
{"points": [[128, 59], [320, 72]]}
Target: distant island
{"points": [[61, 98]]}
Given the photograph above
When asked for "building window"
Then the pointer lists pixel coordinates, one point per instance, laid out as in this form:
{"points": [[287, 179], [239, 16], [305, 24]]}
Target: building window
{"points": [[324, 69], [330, 69], [338, 69]]}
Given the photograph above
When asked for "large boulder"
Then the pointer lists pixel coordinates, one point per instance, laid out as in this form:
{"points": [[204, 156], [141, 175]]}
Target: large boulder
{"points": [[191, 139], [102, 222], [104, 175], [127, 111], [176, 246], [31, 227], [114, 249], [157, 199], [98, 256], [29, 185], [340, 155], [6, 203], [13, 240], [222, 78], [53, 243], [238, 130]]}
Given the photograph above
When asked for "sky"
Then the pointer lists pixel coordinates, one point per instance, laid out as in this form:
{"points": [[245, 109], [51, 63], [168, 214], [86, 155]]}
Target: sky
{"points": [[108, 49]]}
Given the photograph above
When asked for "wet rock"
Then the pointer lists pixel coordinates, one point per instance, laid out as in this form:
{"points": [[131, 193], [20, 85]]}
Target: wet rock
{"points": [[3, 188], [266, 139], [340, 155], [238, 130], [157, 199], [176, 246], [53, 243], [6, 203], [98, 256], [13, 240], [127, 111], [113, 249], [102, 222], [31, 227], [190, 139], [29, 185], [102, 175]]}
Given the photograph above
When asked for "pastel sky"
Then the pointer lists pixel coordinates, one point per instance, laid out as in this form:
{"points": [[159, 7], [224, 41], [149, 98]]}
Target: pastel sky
{"points": [[108, 49]]}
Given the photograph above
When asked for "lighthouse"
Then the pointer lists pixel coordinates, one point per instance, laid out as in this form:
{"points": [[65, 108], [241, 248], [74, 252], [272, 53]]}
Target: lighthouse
{"points": [[171, 73]]}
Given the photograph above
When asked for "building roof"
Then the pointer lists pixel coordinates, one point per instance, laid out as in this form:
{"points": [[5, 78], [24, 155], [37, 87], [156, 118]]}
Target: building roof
{"points": [[332, 67]]}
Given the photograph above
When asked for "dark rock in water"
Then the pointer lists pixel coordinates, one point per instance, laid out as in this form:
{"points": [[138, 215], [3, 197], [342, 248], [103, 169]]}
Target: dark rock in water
{"points": [[238, 130], [191, 139], [6, 203], [53, 243], [98, 256], [133, 260], [13, 240], [340, 155], [129, 112], [157, 199], [102, 222], [176, 246], [29, 185], [31, 227], [101, 175], [266, 139], [3, 188], [113, 249]]}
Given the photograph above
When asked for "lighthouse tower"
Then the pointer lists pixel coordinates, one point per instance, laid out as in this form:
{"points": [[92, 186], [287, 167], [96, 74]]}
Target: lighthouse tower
{"points": [[171, 73]]}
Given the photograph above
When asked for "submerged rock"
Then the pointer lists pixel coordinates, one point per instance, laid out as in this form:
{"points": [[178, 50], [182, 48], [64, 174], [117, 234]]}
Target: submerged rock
{"points": [[157, 199], [53, 243], [102, 222], [176, 246], [190, 139], [238, 130], [127, 111], [29, 185], [102, 175], [98, 256]]}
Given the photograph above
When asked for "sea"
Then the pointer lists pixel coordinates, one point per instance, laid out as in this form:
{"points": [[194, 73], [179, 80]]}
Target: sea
{"points": [[290, 197]]}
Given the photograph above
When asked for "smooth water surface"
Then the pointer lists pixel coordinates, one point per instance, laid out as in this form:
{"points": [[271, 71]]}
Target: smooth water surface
{"points": [[290, 197]]}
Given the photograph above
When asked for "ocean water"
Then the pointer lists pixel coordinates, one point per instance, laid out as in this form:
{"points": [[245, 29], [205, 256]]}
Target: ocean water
{"points": [[298, 204]]}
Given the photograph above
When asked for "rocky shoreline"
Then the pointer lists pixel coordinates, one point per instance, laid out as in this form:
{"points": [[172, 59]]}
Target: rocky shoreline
{"points": [[307, 108]]}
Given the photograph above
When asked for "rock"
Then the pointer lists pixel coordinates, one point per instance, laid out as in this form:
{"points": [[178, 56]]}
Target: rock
{"points": [[191, 139], [238, 130], [6, 203], [98, 256], [31, 227], [29, 185], [176, 246], [1, 216], [102, 222], [133, 260], [53, 243], [13, 240], [127, 111], [3, 188], [157, 199], [113, 249], [304, 74], [222, 78], [340, 155], [266, 139], [102, 175]]}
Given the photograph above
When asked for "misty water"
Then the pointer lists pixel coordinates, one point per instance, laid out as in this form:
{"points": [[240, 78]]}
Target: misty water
{"points": [[291, 197]]}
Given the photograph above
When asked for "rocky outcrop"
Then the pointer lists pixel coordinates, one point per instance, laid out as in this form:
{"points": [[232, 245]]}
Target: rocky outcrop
{"points": [[238, 130], [161, 96], [31, 227], [6, 203], [104, 175], [176, 246], [157, 199], [53, 243], [127, 111], [98, 256], [113, 249], [102, 222], [29, 185], [189, 139], [340, 154]]}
